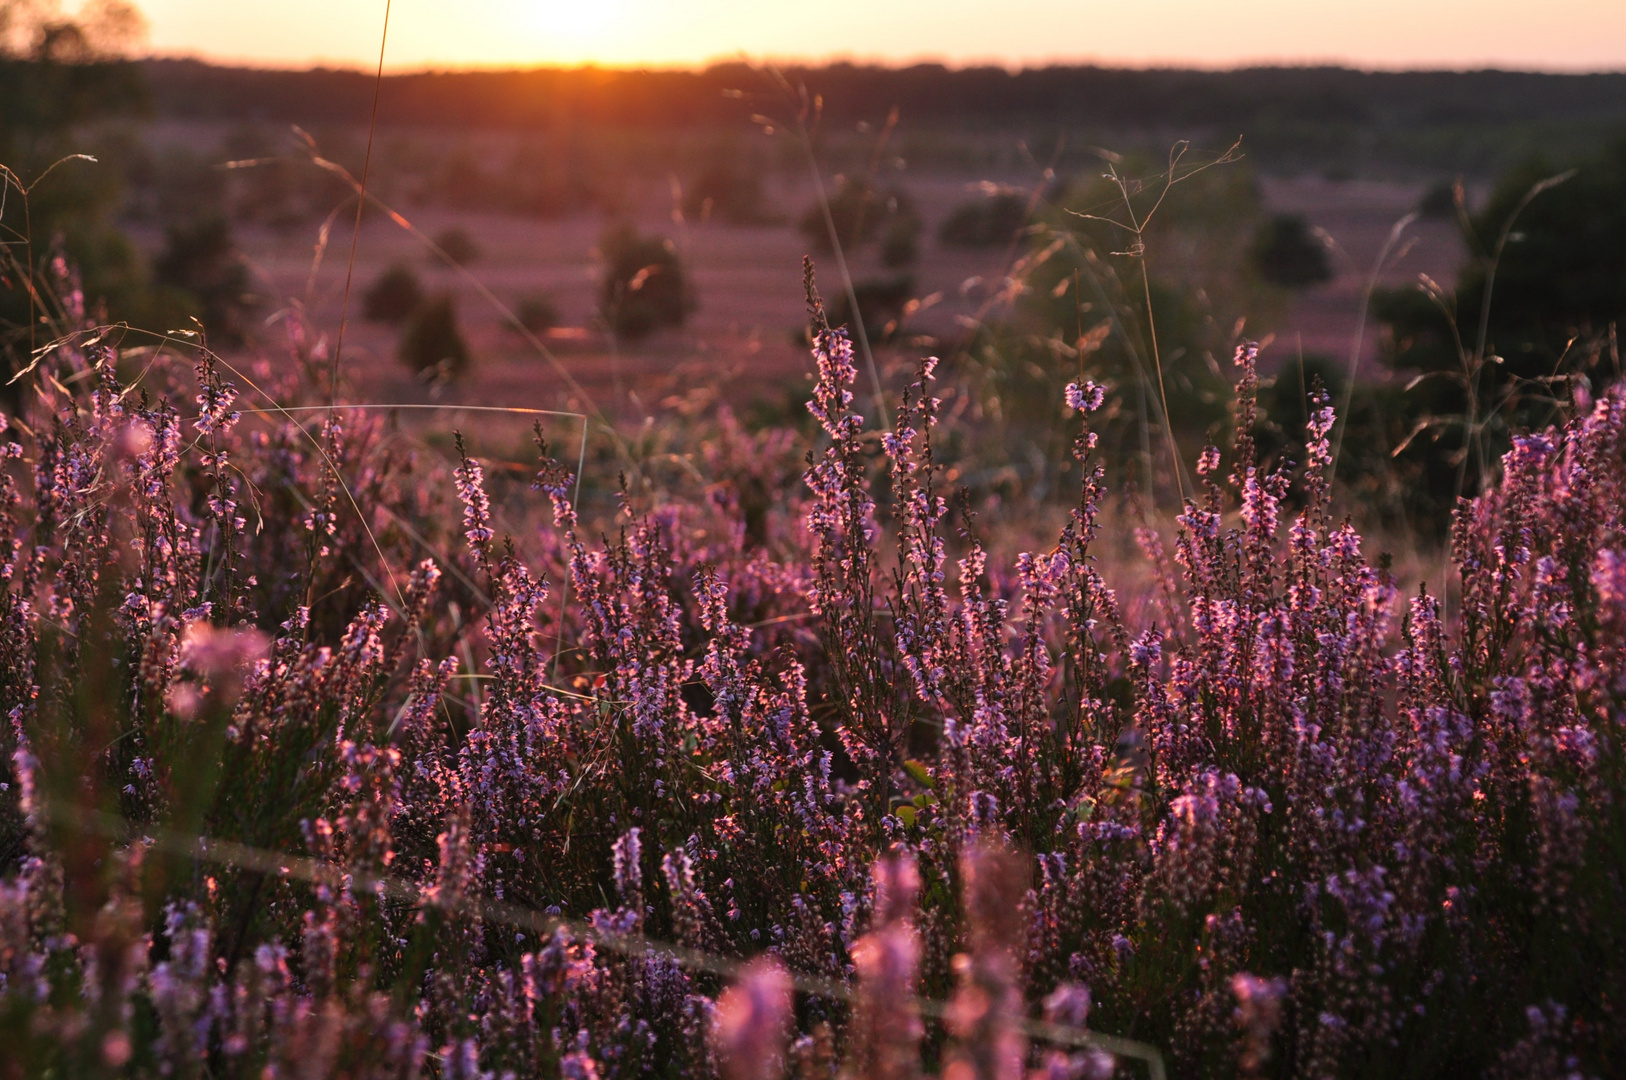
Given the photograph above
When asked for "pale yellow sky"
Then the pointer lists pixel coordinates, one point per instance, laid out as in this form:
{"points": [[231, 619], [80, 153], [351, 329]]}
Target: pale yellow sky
{"points": [[1551, 34]]}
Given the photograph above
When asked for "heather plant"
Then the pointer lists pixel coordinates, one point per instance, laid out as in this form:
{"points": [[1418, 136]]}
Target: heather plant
{"points": [[309, 771]]}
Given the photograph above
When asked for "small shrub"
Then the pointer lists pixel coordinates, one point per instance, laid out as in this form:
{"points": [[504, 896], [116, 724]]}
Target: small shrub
{"points": [[900, 246], [393, 296], [644, 289], [432, 345], [1287, 252], [1561, 279], [880, 301], [177, 184], [1560, 297], [1439, 203], [726, 191], [985, 222], [201, 260], [458, 246], [276, 191], [537, 313], [861, 213]]}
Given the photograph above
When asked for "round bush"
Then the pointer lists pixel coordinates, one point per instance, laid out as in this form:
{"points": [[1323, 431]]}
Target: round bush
{"points": [[900, 246], [432, 344], [726, 190], [1439, 202], [537, 313], [458, 246], [200, 260], [985, 222], [644, 288], [393, 296], [861, 214], [1289, 253]]}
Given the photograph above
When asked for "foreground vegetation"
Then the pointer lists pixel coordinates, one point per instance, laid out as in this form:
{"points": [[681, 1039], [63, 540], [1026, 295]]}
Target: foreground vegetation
{"points": [[309, 771]]}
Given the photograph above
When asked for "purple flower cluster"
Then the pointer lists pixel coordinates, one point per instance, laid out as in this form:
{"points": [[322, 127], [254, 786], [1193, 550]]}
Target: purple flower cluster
{"points": [[299, 781]]}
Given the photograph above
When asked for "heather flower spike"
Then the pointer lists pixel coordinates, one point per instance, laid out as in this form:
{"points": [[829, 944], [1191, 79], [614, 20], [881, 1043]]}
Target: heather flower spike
{"points": [[751, 1026]]}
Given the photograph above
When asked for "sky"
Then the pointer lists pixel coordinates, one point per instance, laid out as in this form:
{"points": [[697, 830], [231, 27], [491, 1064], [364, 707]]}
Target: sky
{"points": [[1555, 35]]}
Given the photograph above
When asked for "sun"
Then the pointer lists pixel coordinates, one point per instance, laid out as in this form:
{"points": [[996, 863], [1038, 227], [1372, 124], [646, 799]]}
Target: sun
{"points": [[571, 23]]}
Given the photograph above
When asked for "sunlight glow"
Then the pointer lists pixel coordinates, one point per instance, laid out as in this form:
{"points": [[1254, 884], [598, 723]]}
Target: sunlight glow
{"points": [[571, 23], [1561, 35]]}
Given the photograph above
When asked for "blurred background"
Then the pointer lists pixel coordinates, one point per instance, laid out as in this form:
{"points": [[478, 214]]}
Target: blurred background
{"points": [[1419, 209]]}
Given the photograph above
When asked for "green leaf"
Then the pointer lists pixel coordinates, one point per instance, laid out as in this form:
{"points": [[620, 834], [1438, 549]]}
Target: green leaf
{"points": [[920, 774], [906, 814]]}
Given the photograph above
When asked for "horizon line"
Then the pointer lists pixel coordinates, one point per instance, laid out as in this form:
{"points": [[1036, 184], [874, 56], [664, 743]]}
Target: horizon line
{"points": [[887, 64]]}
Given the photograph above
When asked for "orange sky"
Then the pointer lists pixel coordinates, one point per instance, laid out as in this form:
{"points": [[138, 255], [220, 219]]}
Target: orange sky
{"points": [[1554, 35]]}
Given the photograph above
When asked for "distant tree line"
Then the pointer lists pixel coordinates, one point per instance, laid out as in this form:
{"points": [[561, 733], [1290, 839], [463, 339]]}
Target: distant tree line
{"points": [[544, 98]]}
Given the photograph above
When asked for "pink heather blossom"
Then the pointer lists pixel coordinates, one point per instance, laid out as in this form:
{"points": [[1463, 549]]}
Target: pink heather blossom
{"points": [[752, 1023]]}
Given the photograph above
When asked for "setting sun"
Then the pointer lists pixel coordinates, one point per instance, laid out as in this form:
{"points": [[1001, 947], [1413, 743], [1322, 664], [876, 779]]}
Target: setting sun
{"points": [[560, 25]]}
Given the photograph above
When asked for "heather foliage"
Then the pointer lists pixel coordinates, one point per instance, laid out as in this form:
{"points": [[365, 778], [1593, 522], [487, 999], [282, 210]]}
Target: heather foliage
{"points": [[938, 815]]}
